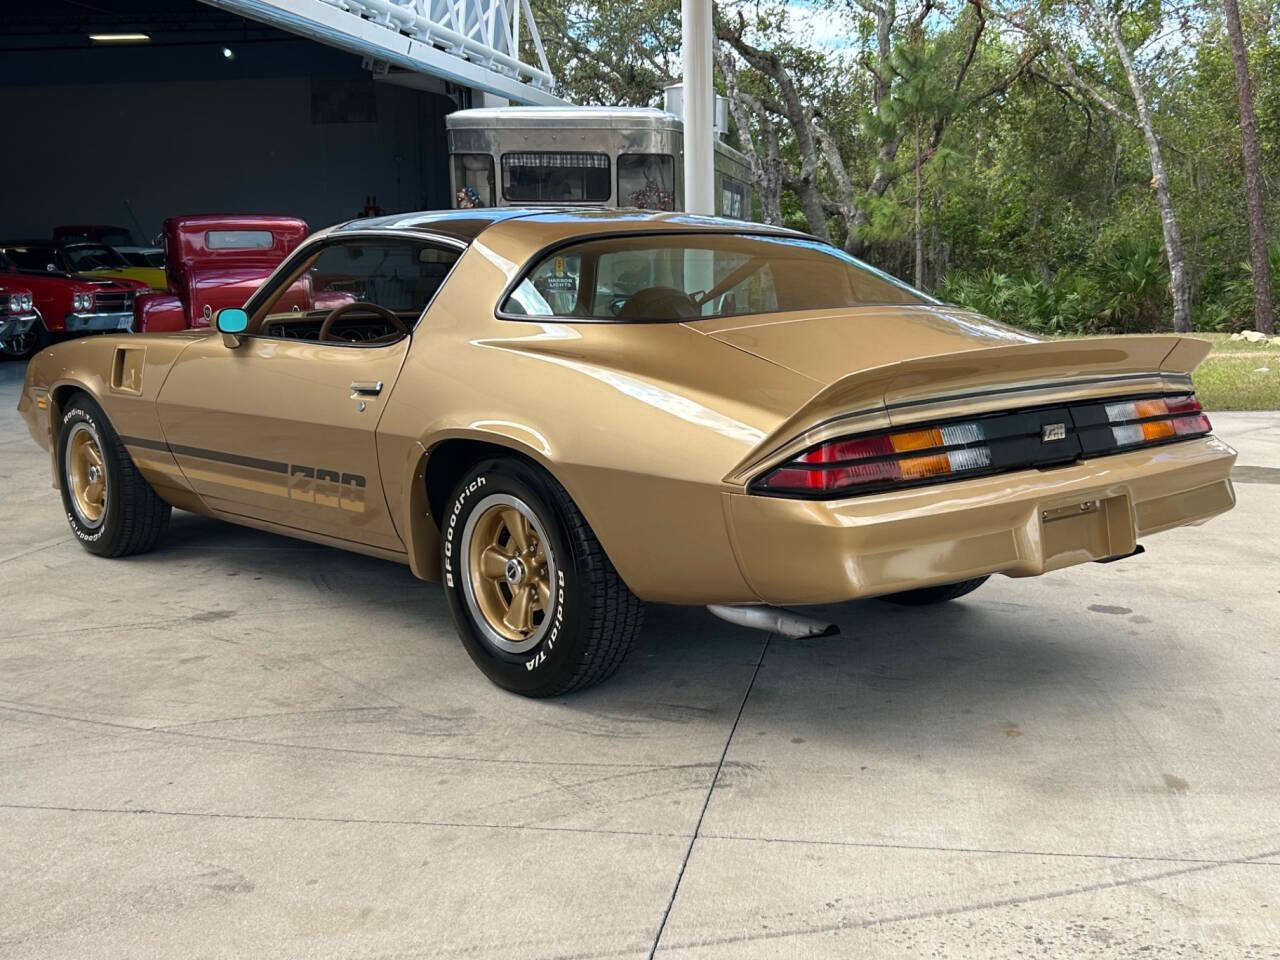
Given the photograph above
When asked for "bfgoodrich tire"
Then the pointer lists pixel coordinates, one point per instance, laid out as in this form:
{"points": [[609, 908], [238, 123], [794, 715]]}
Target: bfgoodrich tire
{"points": [[538, 605], [112, 510], [925, 596]]}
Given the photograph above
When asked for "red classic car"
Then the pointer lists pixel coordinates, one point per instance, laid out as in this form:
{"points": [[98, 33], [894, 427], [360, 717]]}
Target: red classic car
{"points": [[215, 262], [18, 317], [67, 304]]}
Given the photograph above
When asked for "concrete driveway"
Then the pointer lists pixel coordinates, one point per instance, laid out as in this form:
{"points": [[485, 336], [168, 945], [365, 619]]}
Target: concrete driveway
{"points": [[241, 745]]}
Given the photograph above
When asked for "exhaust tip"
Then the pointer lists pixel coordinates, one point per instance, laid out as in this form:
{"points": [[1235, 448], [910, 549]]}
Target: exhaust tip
{"points": [[773, 620]]}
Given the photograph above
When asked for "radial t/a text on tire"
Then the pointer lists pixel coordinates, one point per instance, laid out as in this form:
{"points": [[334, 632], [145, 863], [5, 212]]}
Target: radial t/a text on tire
{"points": [[109, 505], [538, 605]]}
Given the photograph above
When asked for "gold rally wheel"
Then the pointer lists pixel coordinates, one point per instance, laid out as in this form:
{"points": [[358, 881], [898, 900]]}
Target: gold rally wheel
{"points": [[110, 507], [510, 569], [538, 605], [86, 472]]}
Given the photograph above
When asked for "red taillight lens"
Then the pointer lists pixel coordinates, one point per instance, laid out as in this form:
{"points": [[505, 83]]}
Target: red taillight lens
{"points": [[849, 450], [1184, 426], [1187, 404], [1147, 421]]}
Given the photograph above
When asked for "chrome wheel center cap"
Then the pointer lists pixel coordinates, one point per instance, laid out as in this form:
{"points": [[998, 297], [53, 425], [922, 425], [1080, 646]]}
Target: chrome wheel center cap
{"points": [[515, 571], [94, 473]]}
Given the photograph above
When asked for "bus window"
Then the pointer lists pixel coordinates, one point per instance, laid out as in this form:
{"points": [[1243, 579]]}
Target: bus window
{"points": [[733, 198], [473, 174], [647, 181], [556, 177]]}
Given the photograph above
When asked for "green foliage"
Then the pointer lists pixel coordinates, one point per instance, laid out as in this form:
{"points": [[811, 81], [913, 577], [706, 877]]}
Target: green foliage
{"points": [[1237, 294], [1036, 203]]}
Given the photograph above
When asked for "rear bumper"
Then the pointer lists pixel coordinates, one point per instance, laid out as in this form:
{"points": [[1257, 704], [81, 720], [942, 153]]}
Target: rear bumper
{"points": [[17, 324], [1020, 524], [86, 322]]}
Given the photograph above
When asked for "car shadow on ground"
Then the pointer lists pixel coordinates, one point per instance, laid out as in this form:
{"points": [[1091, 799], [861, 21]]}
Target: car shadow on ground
{"points": [[891, 672]]}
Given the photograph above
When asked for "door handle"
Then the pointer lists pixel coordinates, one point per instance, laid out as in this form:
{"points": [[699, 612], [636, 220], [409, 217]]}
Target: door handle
{"points": [[366, 388]]}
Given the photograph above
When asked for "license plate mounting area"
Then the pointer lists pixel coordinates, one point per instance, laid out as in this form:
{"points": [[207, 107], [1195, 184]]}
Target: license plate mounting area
{"points": [[1086, 530]]}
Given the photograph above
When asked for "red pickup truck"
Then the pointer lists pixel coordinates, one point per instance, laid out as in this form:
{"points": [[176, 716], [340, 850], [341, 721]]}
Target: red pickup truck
{"points": [[218, 261], [67, 304]]}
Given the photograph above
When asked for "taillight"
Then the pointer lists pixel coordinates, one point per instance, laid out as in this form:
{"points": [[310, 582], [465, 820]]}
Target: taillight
{"points": [[1158, 418], [883, 459], [1040, 437]]}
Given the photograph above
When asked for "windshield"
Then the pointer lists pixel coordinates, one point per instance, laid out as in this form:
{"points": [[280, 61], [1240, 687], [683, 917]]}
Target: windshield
{"points": [[680, 276], [32, 258], [93, 256]]}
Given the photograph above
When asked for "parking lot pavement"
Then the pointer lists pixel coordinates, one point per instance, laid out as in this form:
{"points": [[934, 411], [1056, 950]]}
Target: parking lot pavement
{"points": [[241, 745]]}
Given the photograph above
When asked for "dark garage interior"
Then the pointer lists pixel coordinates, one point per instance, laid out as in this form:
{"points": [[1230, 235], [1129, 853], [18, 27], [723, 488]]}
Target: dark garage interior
{"points": [[212, 113]]}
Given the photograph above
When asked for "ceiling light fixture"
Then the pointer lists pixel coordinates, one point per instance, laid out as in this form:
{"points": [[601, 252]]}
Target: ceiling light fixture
{"points": [[120, 38], [228, 53]]}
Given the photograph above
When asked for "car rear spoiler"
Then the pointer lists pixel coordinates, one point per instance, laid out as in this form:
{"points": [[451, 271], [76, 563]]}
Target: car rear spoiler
{"points": [[979, 381]]}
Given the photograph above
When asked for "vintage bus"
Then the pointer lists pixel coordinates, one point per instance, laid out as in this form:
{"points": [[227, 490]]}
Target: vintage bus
{"points": [[612, 156]]}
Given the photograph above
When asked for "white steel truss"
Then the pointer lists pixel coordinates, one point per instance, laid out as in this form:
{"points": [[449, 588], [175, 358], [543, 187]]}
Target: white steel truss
{"points": [[475, 43]]}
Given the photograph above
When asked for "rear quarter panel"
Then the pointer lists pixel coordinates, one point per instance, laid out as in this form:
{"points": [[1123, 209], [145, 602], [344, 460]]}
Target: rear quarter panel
{"points": [[638, 421]]}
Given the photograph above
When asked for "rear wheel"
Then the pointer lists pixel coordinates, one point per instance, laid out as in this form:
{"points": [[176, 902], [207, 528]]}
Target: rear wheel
{"points": [[538, 605], [925, 596], [110, 507]]}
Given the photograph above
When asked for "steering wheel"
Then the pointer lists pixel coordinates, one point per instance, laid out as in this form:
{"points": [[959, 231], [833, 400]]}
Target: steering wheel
{"points": [[327, 327]]}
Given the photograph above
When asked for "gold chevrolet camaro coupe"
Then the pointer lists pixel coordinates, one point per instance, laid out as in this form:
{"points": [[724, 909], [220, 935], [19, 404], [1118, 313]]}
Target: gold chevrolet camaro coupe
{"points": [[561, 414]]}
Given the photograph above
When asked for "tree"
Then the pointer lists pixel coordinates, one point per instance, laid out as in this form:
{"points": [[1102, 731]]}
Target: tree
{"points": [[1109, 20], [766, 170], [1263, 312]]}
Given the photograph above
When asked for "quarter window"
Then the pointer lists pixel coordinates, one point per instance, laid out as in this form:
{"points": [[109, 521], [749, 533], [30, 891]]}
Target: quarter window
{"points": [[554, 177]]}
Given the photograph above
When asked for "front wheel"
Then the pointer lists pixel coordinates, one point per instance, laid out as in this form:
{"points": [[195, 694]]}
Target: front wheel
{"points": [[110, 506], [24, 345], [926, 596], [538, 605]]}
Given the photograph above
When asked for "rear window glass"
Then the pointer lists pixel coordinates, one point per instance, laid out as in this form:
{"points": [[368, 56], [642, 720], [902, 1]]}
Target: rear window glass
{"points": [[552, 177], [673, 277], [239, 239]]}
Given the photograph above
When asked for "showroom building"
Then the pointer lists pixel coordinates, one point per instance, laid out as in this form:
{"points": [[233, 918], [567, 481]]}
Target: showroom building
{"points": [[126, 112]]}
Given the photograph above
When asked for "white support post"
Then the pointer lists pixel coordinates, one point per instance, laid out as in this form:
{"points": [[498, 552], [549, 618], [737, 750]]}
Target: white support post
{"points": [[699, 108]]}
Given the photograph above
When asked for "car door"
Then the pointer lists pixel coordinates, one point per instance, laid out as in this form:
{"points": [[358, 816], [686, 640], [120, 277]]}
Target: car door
{"points": [[281, 427]]}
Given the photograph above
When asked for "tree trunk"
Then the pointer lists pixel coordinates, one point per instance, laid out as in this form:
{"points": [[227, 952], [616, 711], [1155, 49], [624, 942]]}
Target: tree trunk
{"points": [[919, 275], [1263, 311], [805, 183], [766, 171], [1159, 183]]}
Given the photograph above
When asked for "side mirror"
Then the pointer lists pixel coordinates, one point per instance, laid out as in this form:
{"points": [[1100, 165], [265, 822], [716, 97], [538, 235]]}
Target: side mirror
{"points": [[231, 322]]}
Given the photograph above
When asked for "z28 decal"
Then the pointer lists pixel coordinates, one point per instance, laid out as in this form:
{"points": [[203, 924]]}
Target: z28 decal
{"points": [[319, 485]]}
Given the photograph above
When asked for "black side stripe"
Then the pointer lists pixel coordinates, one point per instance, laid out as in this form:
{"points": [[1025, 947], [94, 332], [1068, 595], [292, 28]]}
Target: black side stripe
{"points": [[272, 466], [144, 443]]}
